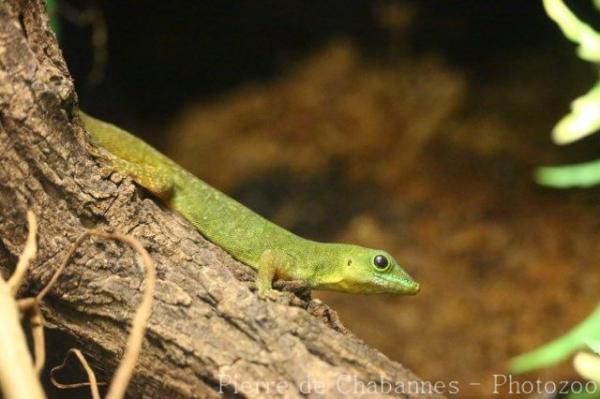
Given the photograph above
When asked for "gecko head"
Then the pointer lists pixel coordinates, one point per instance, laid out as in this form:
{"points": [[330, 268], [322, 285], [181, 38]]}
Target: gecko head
{"points": [[371, 271]]}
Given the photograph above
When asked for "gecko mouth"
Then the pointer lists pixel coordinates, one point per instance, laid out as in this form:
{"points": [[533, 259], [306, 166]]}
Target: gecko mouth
{"points": [[398, 285]]}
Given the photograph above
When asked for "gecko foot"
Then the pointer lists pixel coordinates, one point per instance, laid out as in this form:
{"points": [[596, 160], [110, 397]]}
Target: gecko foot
{"points": [[299, 288]]}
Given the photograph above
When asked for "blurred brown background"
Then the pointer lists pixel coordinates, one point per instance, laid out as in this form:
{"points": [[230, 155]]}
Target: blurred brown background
{"points": [[408, 125]]}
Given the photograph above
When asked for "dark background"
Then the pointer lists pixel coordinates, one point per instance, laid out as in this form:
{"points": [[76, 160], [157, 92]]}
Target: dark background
{"points": [[163, 54]]}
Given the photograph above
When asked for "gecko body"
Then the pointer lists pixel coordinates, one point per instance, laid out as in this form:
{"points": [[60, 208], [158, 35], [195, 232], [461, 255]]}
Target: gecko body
{"points": [[247, 236]]}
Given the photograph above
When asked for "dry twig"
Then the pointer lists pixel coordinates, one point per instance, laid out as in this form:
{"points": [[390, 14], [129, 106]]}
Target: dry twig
{"points": [[92, 382], [18, 378], [36, 322], [124, 371], [17, 375]]}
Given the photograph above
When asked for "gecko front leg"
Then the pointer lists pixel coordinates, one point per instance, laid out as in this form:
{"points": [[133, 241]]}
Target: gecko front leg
{"points": [[271, 264]]}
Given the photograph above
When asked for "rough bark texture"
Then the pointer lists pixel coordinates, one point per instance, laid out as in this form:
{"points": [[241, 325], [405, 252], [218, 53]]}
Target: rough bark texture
{"points": [[207, 325]]}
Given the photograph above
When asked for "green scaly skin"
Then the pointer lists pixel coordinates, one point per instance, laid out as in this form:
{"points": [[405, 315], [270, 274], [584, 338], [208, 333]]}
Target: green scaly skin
{"points": [[248, 237]]}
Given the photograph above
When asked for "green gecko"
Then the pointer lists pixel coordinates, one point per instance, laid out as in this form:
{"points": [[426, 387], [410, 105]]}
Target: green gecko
{"points": [[273, 251]]}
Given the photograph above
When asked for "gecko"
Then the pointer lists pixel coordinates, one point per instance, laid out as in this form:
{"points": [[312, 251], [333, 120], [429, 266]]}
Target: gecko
{"points": [[273, 251]]}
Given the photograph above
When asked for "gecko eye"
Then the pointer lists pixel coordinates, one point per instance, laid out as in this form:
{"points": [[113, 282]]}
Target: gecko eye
{"points": [[381, 262]]}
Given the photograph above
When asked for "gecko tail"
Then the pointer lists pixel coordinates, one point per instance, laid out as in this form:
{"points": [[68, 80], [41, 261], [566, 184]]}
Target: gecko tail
{"points": [[122, 144]]}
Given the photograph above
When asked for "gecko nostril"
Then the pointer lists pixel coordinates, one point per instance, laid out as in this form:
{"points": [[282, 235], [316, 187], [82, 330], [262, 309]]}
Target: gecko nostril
{"points": [[416, 288]]}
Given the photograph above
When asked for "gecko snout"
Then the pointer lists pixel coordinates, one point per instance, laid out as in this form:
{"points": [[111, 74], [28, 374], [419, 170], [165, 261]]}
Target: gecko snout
{"points": [[414, 288]]}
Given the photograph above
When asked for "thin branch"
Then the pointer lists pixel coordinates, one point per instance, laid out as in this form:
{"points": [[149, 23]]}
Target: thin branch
{"points": [[123, 374], [40, 296], [133, 347], [93, 383], [18, 378], [39, 342]]}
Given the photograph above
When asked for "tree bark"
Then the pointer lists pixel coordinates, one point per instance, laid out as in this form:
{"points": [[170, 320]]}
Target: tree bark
{"points": [[209, 333]]}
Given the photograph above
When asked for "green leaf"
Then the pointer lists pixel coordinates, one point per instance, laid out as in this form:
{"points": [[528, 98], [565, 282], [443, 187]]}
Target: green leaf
{"points": [[561, 348]]}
